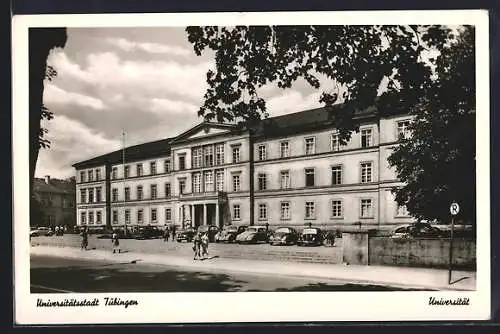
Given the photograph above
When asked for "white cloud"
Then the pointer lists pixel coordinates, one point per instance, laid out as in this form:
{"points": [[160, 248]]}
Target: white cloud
{"points": [[292, 101], [107, 72], [56, 95], [71, 141], [127, 45], [166, 106]]}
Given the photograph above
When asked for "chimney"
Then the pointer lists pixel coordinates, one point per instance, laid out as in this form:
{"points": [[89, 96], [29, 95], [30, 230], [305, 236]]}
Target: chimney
{"points": [[47, 179]]}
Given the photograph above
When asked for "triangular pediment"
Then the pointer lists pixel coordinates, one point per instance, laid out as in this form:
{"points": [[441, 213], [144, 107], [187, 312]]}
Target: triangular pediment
{"points": [[204, 130]]}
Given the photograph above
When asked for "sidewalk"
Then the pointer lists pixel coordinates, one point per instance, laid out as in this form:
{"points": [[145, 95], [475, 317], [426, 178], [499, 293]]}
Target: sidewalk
{"points": [[403, 277]]}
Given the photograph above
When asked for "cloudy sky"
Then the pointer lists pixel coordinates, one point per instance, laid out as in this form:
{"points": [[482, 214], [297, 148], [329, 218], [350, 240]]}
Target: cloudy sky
{"points": [[145, 81]]}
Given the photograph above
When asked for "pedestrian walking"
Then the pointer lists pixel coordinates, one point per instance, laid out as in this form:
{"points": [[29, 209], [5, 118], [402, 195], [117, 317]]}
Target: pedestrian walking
{"points": [[174, 230], [115, 239], [166, 234], [204, 244], [197, 246], [85, 239]]}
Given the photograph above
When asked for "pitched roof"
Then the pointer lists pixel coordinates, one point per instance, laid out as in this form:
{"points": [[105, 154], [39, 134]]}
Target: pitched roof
{"points": [[55, 186]]}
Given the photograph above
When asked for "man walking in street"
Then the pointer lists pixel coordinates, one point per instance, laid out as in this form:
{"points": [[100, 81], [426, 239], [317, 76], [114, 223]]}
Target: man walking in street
{"points": [[85, 239], [166, 234], [116, 242], [204, 244]]}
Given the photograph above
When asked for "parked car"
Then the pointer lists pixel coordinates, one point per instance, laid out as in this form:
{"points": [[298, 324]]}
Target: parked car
{"points": [[229, 233], [211, 229], [185, 235], [311, 236], [253, 235], [41, 231], [148, 232], [417, 230], [284, 236]]}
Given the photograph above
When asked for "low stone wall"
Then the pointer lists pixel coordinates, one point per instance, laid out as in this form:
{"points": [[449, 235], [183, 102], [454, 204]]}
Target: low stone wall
{"points": [[433, 253]]}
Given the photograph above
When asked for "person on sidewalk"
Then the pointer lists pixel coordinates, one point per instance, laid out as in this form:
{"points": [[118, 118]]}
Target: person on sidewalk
{"points": [[197, 246], [204, 245], [166, 234], [115, 239], [85, 239], [174, 229]]}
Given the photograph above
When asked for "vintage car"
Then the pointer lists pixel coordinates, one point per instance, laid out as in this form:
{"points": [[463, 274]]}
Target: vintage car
{"points": [[416, 230], [148, 232], [253, 235], [310, 236], [41, 231], [185, 235], [229, 233], [283, 236], [211, 229]]}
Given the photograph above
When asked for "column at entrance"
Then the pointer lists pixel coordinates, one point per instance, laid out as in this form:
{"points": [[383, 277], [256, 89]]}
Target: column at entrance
{"points": [[217, 222], [204, 214], [192, 215]]}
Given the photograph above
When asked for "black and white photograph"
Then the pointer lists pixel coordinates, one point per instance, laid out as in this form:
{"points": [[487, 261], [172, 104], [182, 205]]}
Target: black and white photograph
{"points": [[307, 166]]}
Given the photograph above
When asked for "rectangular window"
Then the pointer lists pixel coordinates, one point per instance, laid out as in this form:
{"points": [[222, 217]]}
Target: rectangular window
{"points": [[97, 174], [139, 193], [309, 177], [336, 209], [335, 142], [262, 152], [127, 193], [219, 154], [366, 208], [98, 217], [98, 192], [219, 180], [196, 182], [152, 167], [153, 215], [91, 217], [310, 145], [83, 195], [285, 179], [262, 179], [126, 171], [403, 129], [197, 154], [127, 216], [114, 173], [236, 182], [336, 175], [91, 175], [366, 172], [209, 181], [208, 153], [366, 137], [154, 191], [91, 195], [139, 216], [166, 166], [182, 186], [182, 162], [82, 176], [285, 210], [262, 211], [168, 214], [114, 195], [138, 168], [83, 218], [310, 214], [236, 154], [284, 149], [402, 211], [236, 211], [168, 191], [115, 216]]}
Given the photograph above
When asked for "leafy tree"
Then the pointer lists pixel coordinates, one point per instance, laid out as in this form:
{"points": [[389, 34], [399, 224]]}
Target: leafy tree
{"points": [[371, 66], [41, 41]]}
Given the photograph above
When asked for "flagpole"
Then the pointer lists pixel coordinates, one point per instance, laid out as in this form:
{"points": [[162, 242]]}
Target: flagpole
{"points": [[124, 178]]}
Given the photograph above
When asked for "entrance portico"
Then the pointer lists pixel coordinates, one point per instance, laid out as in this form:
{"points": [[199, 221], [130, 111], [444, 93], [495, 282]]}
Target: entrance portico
{"points": [[200, 213]]}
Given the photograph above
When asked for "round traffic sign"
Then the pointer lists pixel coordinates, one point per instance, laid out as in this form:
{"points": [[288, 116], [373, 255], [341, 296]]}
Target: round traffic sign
{"points": [[454, 208]]}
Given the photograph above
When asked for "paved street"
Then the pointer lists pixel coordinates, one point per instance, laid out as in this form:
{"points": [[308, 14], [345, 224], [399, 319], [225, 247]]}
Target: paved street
{"points": [[60, 275]]}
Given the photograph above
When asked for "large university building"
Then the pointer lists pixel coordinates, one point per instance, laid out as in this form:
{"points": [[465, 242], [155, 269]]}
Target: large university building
{"points": [[289, 170]]}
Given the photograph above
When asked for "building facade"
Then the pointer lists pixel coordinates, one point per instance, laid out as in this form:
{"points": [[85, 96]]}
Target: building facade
{"points": [[56, 202], [289, 170]]}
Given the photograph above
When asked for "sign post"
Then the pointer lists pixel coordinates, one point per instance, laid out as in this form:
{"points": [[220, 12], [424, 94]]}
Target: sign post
{"points": [[454, 210]]}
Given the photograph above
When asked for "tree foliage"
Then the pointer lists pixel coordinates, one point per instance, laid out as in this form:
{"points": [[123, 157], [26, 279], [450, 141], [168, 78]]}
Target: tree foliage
{"points": [[382, 66]]}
